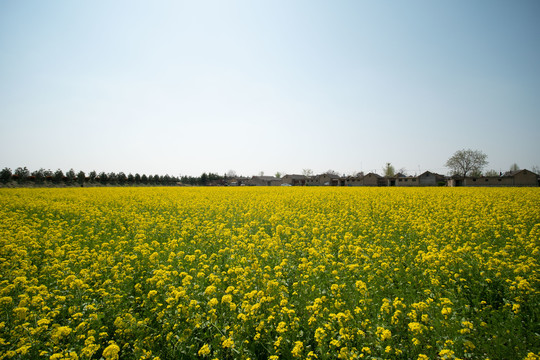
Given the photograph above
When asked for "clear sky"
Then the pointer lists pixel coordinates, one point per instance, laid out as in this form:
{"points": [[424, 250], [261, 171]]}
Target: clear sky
{"points": [[181, 88]]}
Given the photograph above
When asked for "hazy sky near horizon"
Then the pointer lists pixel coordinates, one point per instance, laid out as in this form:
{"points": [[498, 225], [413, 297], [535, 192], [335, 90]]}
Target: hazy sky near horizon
{"points": [[185, 87]]}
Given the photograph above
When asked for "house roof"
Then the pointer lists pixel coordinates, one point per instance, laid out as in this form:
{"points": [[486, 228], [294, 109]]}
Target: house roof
{"points": [[265, 178], [332, 176], [430, 173], [513, 173], [506, 174], [295, 177]]}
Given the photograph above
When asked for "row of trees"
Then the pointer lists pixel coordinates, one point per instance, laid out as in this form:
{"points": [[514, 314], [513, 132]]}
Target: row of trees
{"points": [[23, 176], [465, 162]]}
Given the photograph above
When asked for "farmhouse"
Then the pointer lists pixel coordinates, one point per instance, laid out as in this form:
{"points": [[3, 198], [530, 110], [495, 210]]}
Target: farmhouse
{"points": [[372, 179], [512, 178], [323, 180], [516, 178], [238, 181], [353, 181], [392, 180], [294, 180], [264, 181], [407, 181], [328, 179], [428, 178]]}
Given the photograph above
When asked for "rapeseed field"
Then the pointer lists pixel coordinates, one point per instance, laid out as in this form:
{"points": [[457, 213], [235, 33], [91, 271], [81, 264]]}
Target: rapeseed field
{"points": [[270, 273]]}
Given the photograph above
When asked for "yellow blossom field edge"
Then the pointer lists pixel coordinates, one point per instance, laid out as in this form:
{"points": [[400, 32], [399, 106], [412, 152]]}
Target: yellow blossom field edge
{"points": [[270, 273]]}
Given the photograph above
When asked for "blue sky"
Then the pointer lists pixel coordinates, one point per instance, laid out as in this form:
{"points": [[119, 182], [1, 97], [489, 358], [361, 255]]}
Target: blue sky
{"points": [[181, 88]]}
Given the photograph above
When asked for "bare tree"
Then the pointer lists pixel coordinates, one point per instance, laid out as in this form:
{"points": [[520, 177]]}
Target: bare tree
{"points": [[467, 161], [307, 172], [514, 167]]}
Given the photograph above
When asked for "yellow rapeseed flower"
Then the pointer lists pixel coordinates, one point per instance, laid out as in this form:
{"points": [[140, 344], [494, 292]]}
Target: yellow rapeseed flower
{"points": [[111, 352]]}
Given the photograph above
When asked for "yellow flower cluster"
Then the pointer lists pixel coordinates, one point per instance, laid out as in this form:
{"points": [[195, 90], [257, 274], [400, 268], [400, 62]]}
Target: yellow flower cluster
{"points": [[269, 273]]}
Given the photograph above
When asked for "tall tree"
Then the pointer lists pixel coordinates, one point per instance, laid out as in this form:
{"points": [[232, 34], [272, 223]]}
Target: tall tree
{"points": [[92, 176], [122, 178], [467, 161], [203, 179], [103, 177], [514, 167], [388, 170], [5, 175], [58, 176], [39, 176], [49, 175], [81, 176], [112, 178], [167, 180], [22, 174], [71, 176]]}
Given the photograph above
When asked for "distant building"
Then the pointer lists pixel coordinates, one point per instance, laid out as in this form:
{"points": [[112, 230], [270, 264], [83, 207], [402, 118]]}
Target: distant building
{"points": [[264, 181], [237, 181], [392, 180], [512, 178], [328, 179], [353, 181], [294, 180], [372, 179], [323, 180], [427, 178]]}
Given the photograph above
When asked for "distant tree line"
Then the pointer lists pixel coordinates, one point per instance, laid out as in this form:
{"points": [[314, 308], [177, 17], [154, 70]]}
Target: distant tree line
{"points": [[23, 177]]}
